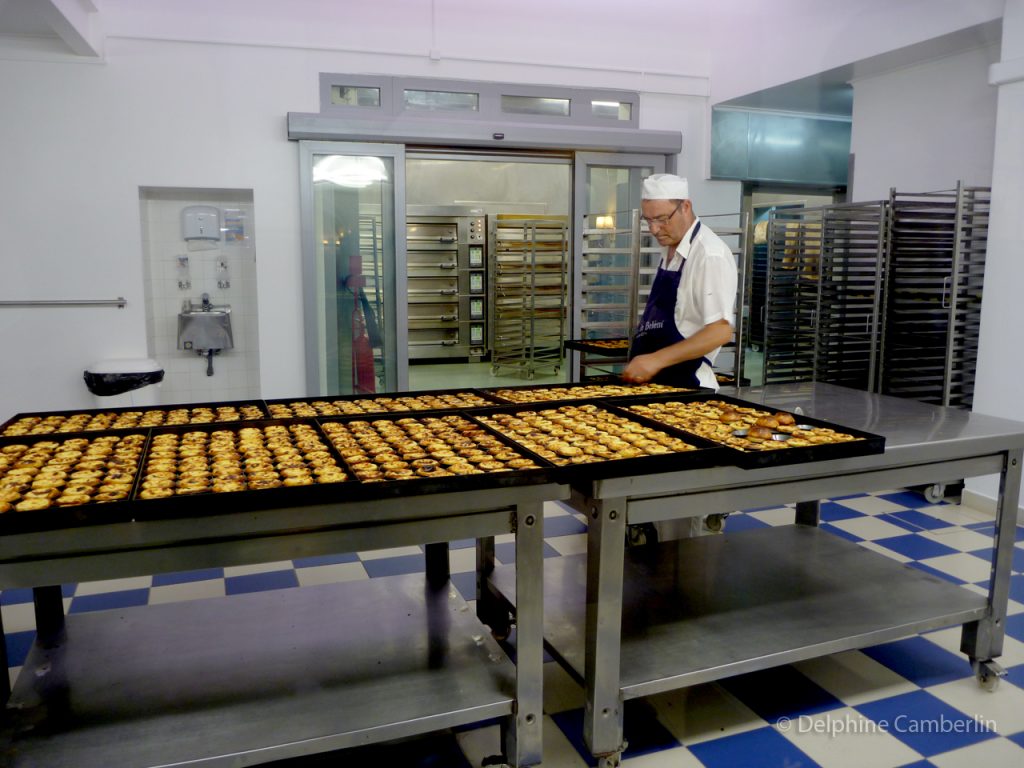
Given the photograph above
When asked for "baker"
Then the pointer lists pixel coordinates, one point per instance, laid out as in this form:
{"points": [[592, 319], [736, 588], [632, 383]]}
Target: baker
{"points": [[690, 312]]}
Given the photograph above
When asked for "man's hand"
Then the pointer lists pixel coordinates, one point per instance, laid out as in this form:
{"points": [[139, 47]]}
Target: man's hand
{"points": [[642, 369]]}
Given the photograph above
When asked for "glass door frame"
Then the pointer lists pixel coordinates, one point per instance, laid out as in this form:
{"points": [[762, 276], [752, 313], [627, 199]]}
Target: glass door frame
{"points": [[582, 162], [319, 318]]}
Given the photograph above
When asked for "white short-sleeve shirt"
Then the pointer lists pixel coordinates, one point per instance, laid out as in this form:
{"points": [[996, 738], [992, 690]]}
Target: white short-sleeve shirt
{"points": [[707, 289]]}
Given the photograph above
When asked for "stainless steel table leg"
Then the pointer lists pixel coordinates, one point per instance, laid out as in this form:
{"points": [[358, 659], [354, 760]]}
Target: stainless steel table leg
{"points": [[606, 536], [438, 569], [5, 682], [49, 608], [489, 607], [523, 744], [982, 641], [808, 512]]}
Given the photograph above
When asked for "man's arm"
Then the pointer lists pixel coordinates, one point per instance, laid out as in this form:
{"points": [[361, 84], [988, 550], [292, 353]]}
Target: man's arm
{"points": [[643, 368]]}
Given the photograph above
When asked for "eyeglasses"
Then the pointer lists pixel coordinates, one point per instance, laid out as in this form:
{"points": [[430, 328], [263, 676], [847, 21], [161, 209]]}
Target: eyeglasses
{"points": [[661, 221]]}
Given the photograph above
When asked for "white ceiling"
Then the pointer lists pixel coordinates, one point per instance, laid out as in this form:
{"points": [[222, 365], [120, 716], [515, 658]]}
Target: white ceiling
{"points": [[74, 27]]}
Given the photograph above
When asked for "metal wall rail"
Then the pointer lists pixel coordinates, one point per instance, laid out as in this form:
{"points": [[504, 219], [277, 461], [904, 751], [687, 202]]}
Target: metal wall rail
{"points": [[120, 302]]}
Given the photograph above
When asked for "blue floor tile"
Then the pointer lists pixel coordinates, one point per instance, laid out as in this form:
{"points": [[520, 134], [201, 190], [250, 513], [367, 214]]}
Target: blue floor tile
{"points": [[920, 661], [830, 511], [1017, 564], [743, 523], [1015, 626], [925, 723], [393, 566], [466, 584], [109, 600], [780, 692], [260, 582], [1017, 588], [907, 499], [916, 547], [1018, 739], [24, 594], [642, 731], [312, 562], [18, 646], [761, 748], [186, 577], [506, 553], [936, 572], [16, 596], [563, 526], [914, 520], [462, 544]]}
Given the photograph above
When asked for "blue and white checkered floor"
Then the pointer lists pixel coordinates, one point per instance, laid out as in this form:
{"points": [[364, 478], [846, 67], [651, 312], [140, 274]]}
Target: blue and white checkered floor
{"points": [[825, 712]]}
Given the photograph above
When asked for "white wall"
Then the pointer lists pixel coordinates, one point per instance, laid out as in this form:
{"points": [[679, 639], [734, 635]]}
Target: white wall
{"points": [[756, 44], [925, 127], [1000, 363]]}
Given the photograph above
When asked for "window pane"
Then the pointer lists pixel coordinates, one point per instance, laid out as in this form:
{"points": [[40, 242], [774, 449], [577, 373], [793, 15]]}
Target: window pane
{"points": [[612, 110], [355, 95], [450, 101], [535, 105]]}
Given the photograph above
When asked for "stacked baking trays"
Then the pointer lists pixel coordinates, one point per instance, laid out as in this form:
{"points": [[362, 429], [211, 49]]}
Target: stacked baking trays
{"points": [[754, 435]]}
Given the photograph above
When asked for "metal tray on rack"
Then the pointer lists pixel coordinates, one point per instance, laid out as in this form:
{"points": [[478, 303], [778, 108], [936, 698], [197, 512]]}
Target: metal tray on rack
{"points": [[707, 453], [862, 444], [99, 412], [355, 401], [594, 347], [542, 473], [57, 516], [574, 392]]}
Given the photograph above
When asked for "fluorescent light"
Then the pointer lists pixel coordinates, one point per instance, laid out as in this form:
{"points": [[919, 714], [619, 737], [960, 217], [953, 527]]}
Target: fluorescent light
{"points": [[353, 171]]}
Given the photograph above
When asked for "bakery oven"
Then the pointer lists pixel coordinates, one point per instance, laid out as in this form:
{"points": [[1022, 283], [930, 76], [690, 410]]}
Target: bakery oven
{"points": [[446, 250]]}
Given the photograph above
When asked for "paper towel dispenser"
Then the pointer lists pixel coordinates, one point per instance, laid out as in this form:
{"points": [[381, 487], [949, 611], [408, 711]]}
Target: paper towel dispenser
{"points": [[200, 222]]}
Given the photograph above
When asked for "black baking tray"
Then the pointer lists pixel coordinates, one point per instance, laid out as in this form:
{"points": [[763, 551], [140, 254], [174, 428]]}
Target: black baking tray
{"points": [[53, 518], [867, 443], [588, 346], [124, 409], [545, 473], [708, 454], [393, 395], [492, 392]]}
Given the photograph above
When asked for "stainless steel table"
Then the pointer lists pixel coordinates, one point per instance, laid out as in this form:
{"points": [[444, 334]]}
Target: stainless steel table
{"points": [[248, 679], [636, 622]]}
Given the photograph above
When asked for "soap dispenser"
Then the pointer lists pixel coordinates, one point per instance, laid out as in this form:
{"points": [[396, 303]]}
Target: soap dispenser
{"points": [[200, 222]]}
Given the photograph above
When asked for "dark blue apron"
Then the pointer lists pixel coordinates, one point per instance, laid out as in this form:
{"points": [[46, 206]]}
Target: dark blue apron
{"points": [[657, 328]]}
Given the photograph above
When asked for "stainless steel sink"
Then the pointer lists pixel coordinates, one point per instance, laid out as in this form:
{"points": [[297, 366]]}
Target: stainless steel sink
{"points": [[203, 327]]}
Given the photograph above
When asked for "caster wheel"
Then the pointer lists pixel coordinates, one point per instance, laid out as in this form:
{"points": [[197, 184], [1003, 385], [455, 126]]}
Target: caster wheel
{"points": [[988, 674], [715, 523], [641, 534], [530, 375], [494, 370], [935, 493]]}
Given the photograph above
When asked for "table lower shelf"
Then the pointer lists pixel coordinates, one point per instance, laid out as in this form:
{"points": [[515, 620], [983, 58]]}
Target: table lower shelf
{"points": [[252, 678], [706, 608]]}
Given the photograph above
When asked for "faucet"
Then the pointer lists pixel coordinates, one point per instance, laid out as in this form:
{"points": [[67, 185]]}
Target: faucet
{"points": [[206, 302]]}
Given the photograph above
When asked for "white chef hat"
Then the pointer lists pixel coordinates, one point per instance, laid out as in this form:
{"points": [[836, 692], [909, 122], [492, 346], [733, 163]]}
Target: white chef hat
{"points": [[665, 186]]}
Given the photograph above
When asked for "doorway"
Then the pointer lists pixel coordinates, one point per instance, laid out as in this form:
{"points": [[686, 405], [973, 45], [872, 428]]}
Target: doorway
{"points": [[501, 191]]}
